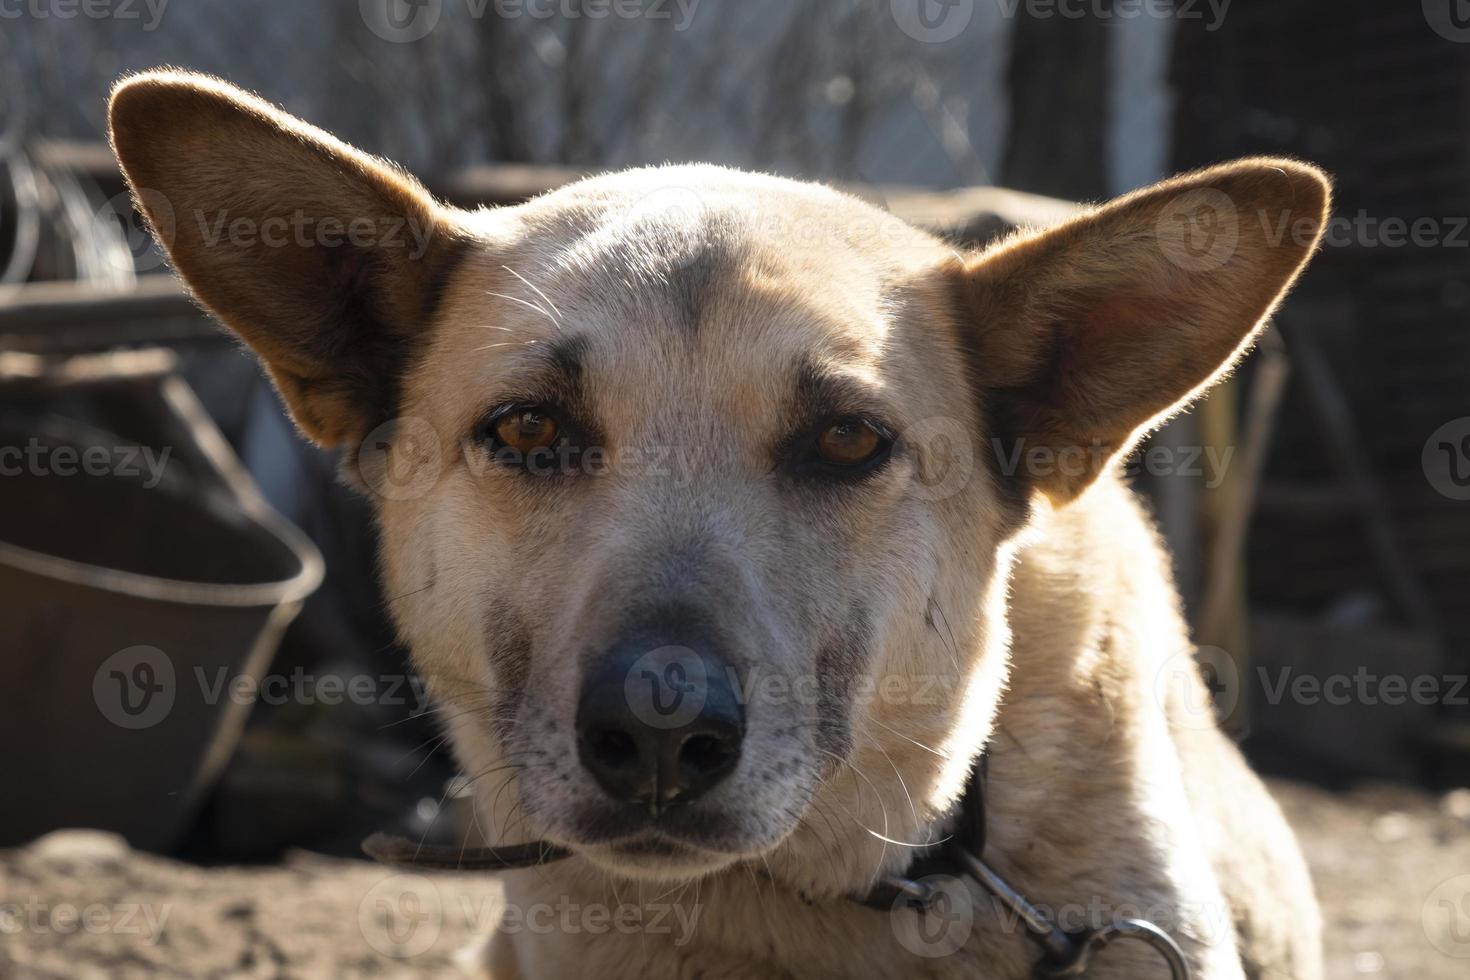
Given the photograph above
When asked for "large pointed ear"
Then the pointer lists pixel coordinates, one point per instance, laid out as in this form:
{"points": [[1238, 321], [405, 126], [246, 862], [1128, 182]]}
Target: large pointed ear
{"points": [[325, 260], [1085, 336]]}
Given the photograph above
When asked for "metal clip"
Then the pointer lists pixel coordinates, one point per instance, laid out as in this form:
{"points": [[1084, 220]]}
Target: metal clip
{"points": [[1069, 955], [1086, 945]]}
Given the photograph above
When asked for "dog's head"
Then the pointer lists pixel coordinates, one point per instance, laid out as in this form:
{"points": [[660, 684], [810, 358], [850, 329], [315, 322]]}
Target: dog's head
{"points": [[695, 485]]}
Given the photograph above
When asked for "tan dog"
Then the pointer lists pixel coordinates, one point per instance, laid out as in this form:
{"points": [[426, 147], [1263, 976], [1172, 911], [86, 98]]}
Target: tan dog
{"points": [[756, 442]]}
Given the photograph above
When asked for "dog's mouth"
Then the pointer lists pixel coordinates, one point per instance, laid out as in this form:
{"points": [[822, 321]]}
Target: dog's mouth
{"points": [[651, 857], [656, 856], [681, 843]]}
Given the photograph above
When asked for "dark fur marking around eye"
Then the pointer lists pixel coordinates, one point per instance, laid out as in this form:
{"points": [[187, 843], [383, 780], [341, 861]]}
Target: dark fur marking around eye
{"points": [[549, 376], [823, 398], [552, 371], [567, 356]]}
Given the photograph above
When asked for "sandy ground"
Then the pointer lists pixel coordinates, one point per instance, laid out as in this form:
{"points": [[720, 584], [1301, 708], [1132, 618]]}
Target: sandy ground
{"points": [[1392, 868]]}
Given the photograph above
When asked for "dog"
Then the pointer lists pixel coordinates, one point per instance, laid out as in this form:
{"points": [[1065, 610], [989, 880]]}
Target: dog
{"points": [[697, 442]]}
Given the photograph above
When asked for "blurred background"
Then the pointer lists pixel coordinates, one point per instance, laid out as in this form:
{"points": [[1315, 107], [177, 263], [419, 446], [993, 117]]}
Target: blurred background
{"points": [[163, 531]]}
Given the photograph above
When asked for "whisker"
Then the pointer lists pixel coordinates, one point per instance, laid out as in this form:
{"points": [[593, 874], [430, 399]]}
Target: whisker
{"points": [[438, 744], [913, 810], [526, 343], [534, 288], [912, 741], [954, 649], [399, 598], [883, 836], [529, 306]]}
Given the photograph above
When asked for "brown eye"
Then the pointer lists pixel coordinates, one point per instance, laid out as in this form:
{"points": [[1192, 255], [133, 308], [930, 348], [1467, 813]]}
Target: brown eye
{"points": [[526, 430], [848, 444]]}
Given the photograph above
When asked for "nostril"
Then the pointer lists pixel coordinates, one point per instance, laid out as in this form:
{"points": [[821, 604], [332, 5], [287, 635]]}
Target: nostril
{"points": [[670, 748], [612, 748], [707, 755]]}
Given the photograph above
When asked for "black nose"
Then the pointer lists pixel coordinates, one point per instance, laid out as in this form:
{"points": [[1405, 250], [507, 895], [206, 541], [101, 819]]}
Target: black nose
{"points": [[659, 724]]}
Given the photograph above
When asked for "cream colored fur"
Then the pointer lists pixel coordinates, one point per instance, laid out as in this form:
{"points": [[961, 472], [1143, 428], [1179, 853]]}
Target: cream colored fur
{"points": [[1030, 614]]}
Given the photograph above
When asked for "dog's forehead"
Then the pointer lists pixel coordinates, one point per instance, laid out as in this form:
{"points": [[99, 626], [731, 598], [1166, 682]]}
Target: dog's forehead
{"points": [[728, 285], [677, 233]]}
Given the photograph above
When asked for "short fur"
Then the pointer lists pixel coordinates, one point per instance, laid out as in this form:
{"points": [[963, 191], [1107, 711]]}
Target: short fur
{"points": [[701, 319]]}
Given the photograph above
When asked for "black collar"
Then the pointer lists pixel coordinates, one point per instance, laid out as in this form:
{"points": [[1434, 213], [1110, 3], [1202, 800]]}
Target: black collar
{"points": [[968, 836], [958, 856]]}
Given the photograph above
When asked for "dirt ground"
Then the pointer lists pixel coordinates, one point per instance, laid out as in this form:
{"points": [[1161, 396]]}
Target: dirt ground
{"points": [[1392, 868]]}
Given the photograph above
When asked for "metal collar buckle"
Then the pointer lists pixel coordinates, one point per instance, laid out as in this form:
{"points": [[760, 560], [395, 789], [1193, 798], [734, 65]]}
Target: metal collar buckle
{"points": [[1064, 954]]}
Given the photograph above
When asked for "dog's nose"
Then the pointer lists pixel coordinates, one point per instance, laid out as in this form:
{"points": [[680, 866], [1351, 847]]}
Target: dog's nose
{"points": [[659, 724]]}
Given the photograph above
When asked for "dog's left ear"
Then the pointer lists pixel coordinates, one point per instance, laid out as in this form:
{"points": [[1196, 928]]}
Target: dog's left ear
{"points": [[1085, 336], [326, 261]]}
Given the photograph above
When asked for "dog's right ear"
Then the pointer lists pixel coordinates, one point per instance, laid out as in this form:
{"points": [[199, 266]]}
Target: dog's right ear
{"points": [[325, 260], [1085, 336]]}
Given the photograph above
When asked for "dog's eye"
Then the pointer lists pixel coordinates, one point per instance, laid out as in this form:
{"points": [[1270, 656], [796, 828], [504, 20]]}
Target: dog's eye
{"points": [[526, 430], [850, 444], [847, 443]]}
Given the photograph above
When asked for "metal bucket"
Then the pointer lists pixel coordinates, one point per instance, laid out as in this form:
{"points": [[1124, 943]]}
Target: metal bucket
{"points": [[137, 606]]}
